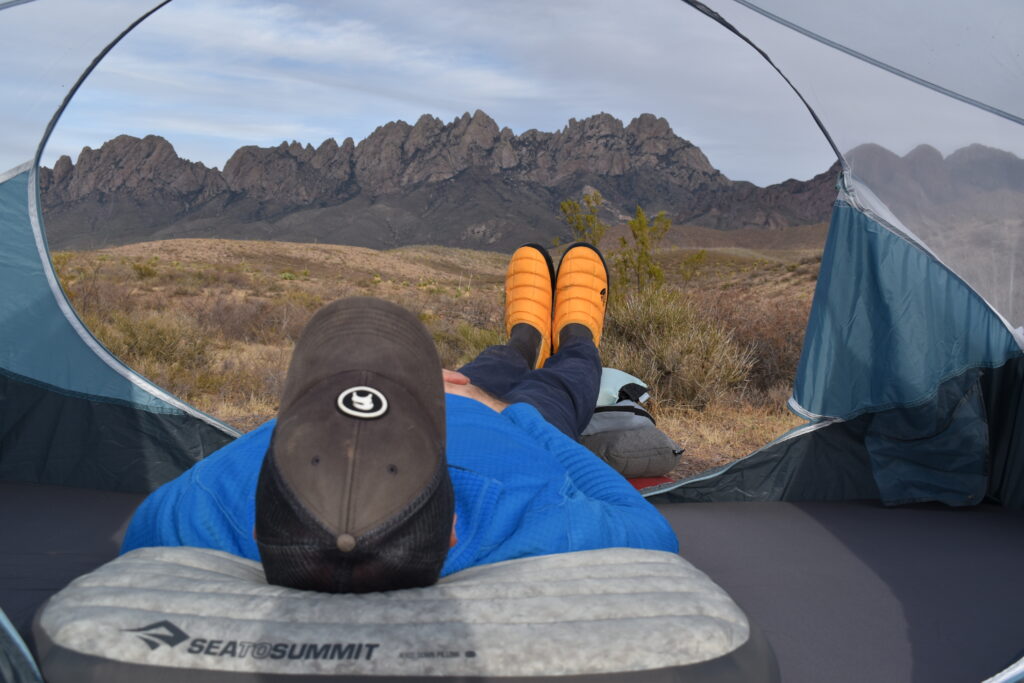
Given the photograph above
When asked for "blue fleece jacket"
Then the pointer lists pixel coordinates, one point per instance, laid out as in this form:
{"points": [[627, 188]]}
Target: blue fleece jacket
{"points": [[522, 488]]}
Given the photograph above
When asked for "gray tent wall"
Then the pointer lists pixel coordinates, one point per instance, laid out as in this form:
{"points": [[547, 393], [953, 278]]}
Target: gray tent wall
{"points": [[71, 413], [909, 377]]}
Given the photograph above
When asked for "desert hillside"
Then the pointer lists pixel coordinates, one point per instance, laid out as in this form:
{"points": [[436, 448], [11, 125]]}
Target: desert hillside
{"points": [[214, 321]]}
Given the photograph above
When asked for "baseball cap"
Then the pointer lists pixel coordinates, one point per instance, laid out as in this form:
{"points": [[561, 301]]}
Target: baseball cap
{"points": [[354, 493]]}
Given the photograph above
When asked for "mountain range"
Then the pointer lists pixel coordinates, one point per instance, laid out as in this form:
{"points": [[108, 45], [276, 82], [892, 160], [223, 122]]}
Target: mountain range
{"points": [[465, 183]]}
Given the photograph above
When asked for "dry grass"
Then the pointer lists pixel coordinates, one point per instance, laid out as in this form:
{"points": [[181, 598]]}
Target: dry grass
{"points": [[214, 321]]}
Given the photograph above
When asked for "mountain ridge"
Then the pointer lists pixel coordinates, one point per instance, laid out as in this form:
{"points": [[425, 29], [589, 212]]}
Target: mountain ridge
{"points": [[465, 183]]}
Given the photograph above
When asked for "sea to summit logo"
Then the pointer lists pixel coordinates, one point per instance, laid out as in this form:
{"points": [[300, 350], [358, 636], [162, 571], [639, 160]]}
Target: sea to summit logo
{"points": [[166, 633], [362, 402], [160, 632]]}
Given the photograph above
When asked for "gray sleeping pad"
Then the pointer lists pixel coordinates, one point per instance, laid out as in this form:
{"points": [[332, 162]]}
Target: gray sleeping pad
{"points": [[190, 614]]}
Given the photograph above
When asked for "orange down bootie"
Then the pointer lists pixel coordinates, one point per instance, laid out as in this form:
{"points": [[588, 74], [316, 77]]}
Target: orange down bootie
{"points": [[581, 291], [528, 294]]}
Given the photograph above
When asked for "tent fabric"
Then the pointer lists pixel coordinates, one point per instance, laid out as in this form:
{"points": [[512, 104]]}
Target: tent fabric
{"points": [[894, 356], [879, 456], [1005, 411], [1011, 674], [72, 413], [16, 663], [54, 437], [967, 57], [854, 592], [38, 342], [888, 324], [826, 461], [934, 152], [61, 533]]}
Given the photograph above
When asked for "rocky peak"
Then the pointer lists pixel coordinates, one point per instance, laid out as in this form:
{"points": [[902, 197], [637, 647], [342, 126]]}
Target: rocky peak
{"points": [[649, 126], [427, 128], [133, 166], [62, 169], [597, 126], [480, 130], [291, 173]]}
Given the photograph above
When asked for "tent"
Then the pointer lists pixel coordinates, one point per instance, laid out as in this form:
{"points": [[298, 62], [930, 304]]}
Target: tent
{"points": [[909, 379]]}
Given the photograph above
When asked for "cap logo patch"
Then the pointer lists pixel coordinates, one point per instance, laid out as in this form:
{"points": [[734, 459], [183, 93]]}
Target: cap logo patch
{"points": [[363, 402]]}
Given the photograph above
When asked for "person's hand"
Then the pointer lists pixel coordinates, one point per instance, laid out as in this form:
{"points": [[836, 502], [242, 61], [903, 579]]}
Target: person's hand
{"points": [[458, 384], [453, 377]]}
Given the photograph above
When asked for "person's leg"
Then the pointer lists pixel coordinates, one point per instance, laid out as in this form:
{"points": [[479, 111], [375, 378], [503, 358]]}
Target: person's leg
{"points": [[565, 390], [498, 368], [529, 283]]}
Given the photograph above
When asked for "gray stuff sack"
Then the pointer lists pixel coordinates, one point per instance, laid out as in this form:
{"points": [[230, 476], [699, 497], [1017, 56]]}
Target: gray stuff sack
{"points": [[625, 436]]}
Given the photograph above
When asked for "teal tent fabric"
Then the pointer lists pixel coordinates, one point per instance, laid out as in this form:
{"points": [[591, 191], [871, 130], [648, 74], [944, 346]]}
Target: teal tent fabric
{"points": [[16, 663], [37, 338], [889, 324], [73, 414], [899, 377]]}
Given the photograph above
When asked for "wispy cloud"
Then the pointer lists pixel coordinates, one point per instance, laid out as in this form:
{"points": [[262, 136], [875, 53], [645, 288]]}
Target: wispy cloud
{"points": [[212, 76]]}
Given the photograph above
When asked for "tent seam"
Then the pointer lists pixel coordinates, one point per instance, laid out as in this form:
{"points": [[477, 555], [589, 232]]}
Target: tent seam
{"points": [[85, 335], [70, 393]]}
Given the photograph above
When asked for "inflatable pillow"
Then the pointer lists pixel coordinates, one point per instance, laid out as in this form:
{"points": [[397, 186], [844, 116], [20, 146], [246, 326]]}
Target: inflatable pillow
{"points": [[623, 434], [198, 615]]}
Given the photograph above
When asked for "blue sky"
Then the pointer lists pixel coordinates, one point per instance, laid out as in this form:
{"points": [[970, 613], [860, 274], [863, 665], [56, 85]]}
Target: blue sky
{"points": [[211, 76]]}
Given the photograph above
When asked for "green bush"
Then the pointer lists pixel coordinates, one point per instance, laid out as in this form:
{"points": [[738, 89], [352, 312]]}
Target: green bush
{"points": [[663, 338], [583, 223], [634, 260]]}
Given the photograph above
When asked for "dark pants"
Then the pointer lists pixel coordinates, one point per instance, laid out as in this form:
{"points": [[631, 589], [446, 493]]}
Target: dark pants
{"points": [[564, 391]]}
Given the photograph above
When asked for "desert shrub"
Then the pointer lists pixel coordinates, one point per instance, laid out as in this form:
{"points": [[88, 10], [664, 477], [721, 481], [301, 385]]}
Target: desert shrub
{"points": [[93, 290], [171, 350], [151, 337], [254, 319], [61, 260], [660, 336], [145, 269], [243, 384], [285, 320], [772, 330], [233, 319], [691, 265]]}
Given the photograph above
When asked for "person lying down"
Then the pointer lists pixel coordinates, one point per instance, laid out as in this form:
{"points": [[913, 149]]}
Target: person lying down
{"points": [[383, 471]]}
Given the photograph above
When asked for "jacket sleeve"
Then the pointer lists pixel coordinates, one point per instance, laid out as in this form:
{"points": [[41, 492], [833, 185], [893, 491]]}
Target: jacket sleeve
{"points": [[604, 510]]}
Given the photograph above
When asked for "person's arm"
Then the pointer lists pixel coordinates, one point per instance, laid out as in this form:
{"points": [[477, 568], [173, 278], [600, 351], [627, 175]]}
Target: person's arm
{"points": [[609, 512]]}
